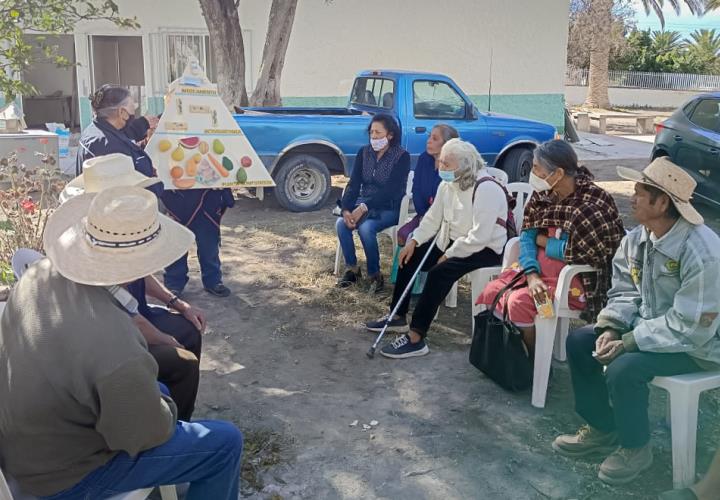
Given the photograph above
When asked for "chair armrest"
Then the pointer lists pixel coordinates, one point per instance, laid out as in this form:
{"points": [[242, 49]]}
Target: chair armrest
{"points": [[564, 280], [479, 279]]}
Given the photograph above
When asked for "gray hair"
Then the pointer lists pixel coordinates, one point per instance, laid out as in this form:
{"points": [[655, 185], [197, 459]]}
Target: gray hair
{"points": [[468, 160], [556, 154], [446, 131]]}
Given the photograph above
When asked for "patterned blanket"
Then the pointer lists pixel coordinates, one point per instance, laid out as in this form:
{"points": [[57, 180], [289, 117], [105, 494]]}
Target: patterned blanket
{"points": [[592, 221]]}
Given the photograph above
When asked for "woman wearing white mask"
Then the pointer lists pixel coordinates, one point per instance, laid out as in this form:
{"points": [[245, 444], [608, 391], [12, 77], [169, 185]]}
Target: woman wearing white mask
{"points": [[371, 201], [461, 213], [568, 220]]}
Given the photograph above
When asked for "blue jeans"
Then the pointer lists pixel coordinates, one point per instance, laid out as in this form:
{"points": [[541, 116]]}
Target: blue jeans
{"points": [[204, 453], [207, 239], [367, 230]]}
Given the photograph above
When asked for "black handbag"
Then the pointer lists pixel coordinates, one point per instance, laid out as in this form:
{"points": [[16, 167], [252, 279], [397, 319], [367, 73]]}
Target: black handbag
{"points": [[497, 347]]}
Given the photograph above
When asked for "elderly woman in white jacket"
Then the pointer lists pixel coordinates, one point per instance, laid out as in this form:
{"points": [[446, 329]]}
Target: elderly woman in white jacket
{"points": [[470, 237]]}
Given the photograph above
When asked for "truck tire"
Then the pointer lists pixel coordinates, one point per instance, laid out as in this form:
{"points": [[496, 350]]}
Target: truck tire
{"points": [[517, 164], [302, 183]]}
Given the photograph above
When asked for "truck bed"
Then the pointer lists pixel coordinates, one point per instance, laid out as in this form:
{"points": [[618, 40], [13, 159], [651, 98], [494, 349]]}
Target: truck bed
{"points": [[299, 111]]}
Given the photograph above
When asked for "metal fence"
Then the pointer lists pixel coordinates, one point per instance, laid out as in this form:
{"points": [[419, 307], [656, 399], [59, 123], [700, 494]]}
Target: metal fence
{"points": [[643, 80]]}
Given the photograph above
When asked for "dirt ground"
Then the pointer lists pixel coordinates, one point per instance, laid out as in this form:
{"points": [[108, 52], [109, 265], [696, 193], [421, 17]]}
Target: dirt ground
{"points": [[284, 359]]}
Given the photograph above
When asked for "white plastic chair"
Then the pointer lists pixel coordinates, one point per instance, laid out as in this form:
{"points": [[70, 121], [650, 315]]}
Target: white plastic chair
{"points": [[684, 395], [550, 333], [499, 175], [390, 231], [166, 492], [522, 192]]}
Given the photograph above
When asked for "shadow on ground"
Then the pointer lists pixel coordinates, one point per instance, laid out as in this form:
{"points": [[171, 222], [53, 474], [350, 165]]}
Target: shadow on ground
{"points": [[285, 360]]}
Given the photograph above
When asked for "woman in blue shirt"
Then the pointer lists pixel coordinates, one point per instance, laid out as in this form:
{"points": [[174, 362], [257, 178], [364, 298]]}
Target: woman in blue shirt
{"points": [[426, 178], [115, 129], [371, 201]]}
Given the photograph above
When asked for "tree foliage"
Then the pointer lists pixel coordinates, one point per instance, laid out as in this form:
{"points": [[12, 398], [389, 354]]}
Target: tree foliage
{"points": [[43, 17], [653, 51]]}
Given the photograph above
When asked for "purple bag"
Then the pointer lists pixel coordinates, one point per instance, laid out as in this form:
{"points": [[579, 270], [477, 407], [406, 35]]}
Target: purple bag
{"points": [[404, 232]]}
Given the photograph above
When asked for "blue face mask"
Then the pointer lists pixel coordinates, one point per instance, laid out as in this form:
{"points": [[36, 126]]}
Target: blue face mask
{"points": [[447, 175]]}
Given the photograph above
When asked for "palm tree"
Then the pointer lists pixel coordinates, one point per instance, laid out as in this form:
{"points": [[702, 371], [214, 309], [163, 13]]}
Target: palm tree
{"points": [[601, 11], [666, 41], [705, 42]]}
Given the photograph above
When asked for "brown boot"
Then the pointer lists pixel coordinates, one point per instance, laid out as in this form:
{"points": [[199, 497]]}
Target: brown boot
{"points": [[625, 464], [587, 441]]}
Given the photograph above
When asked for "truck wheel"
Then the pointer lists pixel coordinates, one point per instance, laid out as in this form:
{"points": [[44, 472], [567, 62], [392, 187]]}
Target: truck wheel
{"points": [[517, 164], [302, 183]]}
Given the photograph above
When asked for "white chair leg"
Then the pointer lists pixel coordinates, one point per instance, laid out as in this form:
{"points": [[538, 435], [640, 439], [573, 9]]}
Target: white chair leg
{"points": [[451, 299], [168, 492], [561, 336], [338, 253], [684, 415], [544, 340]]}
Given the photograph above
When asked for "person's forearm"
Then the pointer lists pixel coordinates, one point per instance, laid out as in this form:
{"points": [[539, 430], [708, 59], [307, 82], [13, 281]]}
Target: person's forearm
{"points": [[156, 290], [150, 333]]}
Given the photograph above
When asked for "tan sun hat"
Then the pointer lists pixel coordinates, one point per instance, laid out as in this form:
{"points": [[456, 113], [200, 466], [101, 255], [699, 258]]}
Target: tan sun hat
{"points": [[671, 180], [104, 172], [113, 237]]}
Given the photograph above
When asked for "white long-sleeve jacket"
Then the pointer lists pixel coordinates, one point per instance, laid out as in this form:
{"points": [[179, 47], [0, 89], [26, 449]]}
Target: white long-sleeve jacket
{"points": [[472, 226]]}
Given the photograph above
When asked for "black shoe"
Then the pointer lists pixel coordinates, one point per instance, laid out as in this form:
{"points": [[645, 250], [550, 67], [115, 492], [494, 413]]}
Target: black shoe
{"points": [[348, 279], [403, 348], [396, 325], [377, 284], [218, 290]]}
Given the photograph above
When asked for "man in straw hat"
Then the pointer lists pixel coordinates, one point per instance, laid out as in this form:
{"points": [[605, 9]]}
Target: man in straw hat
{"points": [[174, 336], [661, 319], [82, 415]]}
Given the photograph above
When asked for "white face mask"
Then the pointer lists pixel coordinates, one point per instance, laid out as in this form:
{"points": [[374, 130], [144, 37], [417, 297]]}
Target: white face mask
{"points": [[539, 184], [378, 144]]}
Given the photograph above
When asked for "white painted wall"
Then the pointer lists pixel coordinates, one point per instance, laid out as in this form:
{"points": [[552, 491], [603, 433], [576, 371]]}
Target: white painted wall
{"points": [[634, 98], [331, 41]]}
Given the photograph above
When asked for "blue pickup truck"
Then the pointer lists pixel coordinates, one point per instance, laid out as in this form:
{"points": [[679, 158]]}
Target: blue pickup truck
{"points": [[301, 147]]}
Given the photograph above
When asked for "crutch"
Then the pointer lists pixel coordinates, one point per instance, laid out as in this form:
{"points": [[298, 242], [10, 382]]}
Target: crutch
{"points": [[371, 351]]}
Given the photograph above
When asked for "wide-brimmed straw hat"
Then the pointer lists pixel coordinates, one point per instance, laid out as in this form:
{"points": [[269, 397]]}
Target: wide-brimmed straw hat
{"points": [[113, 237], [103, 172], [672, 180]]}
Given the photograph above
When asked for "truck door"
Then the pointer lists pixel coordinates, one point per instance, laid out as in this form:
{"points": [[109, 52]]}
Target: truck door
{"points": [[436, 101]]}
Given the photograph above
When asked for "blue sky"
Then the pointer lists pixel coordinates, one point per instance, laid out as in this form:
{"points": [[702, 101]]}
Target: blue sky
{"points": [[685, 23]]}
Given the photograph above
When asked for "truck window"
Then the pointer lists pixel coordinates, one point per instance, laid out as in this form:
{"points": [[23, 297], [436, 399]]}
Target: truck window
{"points": [[378, 92], [437, 100]]}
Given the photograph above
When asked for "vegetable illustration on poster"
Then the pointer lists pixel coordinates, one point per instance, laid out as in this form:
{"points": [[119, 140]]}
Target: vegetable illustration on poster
{"points": [[197, 143]]}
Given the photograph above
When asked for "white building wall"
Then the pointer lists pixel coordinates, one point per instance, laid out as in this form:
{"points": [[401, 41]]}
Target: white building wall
{"points": [[332, 41], [634, 98]]}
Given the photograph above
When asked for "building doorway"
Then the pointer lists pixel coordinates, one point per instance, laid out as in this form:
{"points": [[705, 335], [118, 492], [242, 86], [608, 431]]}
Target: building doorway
{"points": [[56, 100]]}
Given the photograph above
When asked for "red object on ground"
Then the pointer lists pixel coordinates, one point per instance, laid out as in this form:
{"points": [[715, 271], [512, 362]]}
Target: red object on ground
{"points": [[245, 161]]}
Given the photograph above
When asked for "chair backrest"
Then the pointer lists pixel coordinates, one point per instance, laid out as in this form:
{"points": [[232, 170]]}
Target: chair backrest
{"points": [[4, 488], [405, 203], [22, 259], [498, 175], [522, 192]]}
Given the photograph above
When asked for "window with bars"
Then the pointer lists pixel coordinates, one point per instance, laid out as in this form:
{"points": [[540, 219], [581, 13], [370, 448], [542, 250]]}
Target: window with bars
{"points": [[178, 49]]}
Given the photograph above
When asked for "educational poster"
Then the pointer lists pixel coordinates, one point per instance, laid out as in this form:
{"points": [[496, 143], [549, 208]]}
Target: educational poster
{"points": [[197, 143]]}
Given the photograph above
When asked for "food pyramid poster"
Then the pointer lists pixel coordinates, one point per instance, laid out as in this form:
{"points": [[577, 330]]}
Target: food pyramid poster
{"points": [[197, 143]]}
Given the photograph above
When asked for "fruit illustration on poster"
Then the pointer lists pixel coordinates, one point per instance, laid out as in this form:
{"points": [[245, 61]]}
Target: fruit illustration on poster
{"points": [[197, 143]]}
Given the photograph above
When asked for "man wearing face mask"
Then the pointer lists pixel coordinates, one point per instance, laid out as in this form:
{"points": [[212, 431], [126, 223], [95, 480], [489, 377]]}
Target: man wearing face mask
{"points": [[116, 130]]}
